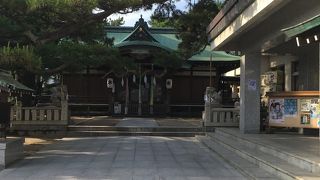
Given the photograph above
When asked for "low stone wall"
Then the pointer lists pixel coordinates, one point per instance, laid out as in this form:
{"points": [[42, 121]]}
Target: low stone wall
{"points": [[11, 149]]}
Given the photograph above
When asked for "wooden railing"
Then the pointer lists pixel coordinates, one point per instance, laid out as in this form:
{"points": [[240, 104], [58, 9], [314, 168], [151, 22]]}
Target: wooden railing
{"points": [[49, 115], [223, 117]]}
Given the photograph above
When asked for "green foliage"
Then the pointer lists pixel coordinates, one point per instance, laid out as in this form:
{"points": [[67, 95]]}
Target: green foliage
{"points": [[165, 15], [19, 58], [43, 23], [115, 22], [191, 25], [75, 56], [35, 4], [168, 60]]}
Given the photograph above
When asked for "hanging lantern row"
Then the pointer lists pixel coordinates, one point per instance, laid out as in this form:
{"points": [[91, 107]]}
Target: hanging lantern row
{"points": [[301, 41]]}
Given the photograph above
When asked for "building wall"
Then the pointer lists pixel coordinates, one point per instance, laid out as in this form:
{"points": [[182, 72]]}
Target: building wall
{"points": [[309, 68], [92, 89], [286, 61], [88, 88], [189, 90]]}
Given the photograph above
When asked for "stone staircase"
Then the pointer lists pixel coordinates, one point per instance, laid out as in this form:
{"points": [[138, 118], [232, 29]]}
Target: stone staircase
{"points": [[85, 131], [257, 160]]}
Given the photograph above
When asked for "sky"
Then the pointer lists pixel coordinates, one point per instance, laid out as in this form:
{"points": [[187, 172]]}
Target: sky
{"points": [[131, 18]]}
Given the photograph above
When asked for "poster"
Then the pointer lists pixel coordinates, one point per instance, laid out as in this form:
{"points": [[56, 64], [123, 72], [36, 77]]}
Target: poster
{"points": [[276, 110], [290, 107], [305, 105], [305, 119], [314, 109]]}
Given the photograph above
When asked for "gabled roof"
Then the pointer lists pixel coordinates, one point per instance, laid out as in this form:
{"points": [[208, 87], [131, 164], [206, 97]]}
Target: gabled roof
{"points": [[140, 33], [164, 38], [7, 82], [302, 27]]}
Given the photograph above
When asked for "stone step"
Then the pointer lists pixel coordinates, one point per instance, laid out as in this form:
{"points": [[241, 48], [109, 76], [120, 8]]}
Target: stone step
{"points": [[245, 167], [137, 129], [301, 162], [282, 169], [130, 133]]}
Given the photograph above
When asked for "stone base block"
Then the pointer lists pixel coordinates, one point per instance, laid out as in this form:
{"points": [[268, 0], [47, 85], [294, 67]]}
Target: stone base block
{"points": [[11, 149]]}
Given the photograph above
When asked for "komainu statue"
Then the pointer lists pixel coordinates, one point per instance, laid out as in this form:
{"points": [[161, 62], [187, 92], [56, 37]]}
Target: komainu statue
{"points": [[58, 94]]}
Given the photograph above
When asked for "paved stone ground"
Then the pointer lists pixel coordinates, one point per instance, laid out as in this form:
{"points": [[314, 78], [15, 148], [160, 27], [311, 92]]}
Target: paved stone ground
{"points": [[112, 121], [127, 158], [304, 146], [137, 122]]}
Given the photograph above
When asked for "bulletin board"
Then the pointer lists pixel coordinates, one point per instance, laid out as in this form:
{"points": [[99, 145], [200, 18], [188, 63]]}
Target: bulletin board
{"points": [[299, 109]]}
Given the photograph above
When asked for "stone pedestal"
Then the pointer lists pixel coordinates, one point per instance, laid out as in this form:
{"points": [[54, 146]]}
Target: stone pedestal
{"points": [[212, 100], [250, 93], [11, 149]]}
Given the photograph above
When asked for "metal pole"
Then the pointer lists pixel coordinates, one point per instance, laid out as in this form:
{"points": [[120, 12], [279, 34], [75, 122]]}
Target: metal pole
{"points": [[210, 83]]}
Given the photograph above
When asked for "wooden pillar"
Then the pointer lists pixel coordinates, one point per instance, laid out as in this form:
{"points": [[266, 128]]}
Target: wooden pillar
{"points": [[191, 84], [140, 100], [127, 96]]}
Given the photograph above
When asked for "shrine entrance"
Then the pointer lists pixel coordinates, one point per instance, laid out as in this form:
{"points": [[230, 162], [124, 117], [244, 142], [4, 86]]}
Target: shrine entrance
{"points": [[156, 82], [142, 94]]}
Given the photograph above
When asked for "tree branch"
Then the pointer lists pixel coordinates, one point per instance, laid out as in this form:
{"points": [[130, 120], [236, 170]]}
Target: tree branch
{"points": [[58, 69], [73, 27], [31, 36]]}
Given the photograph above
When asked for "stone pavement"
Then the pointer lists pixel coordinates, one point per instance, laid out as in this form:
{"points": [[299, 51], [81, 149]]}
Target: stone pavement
{"points": [[137, 122], [304, 146], [127, 158], [112, 121]]}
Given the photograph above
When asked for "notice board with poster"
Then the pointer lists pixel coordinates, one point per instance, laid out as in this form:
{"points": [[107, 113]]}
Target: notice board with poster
{"points": [[299, 109]]}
